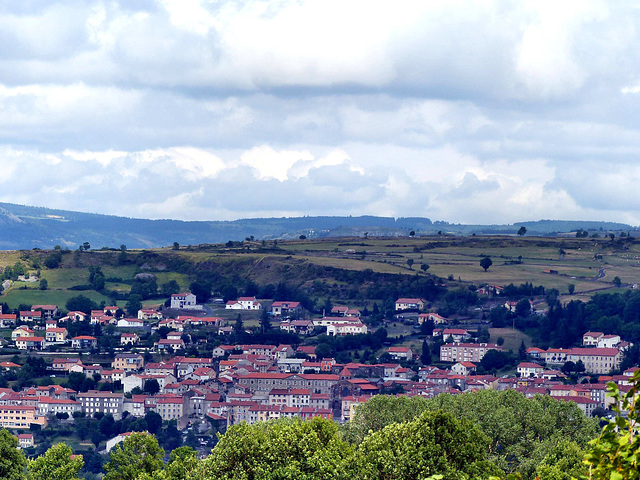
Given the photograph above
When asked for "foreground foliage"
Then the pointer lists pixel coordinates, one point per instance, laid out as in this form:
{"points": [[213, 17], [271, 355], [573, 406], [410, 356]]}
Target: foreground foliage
{"points": [[489, 435]]}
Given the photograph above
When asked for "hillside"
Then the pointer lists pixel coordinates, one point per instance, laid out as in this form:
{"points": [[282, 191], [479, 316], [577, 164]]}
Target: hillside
{"points": [[24, 227]]}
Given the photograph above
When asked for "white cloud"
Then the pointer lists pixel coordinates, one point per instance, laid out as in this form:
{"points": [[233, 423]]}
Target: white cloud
{"points": [[459, 110]]}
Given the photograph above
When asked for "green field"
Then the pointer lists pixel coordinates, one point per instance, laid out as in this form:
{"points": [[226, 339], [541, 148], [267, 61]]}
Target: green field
{"points": [[512, 338], [15, 297], [515, 260]]}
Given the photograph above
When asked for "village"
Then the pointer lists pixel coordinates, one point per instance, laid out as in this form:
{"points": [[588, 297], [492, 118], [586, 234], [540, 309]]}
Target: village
{"points": [[257, 382]]}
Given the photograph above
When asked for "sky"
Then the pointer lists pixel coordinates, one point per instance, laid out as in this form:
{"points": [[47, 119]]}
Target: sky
{"points": [[463, 111]]}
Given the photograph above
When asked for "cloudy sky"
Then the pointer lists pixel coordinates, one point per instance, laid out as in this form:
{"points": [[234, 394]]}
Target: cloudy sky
{"points": [[466, 111]]}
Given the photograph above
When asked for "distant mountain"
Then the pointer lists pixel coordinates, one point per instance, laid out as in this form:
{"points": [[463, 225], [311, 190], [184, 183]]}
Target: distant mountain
{"points": [[24, 227]]}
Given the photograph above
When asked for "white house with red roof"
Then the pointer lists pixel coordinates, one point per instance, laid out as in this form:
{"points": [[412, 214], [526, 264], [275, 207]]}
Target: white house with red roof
{"points": [[456, 334], [7, 319], [30, 316], [30, 343], [48, 311], [434, 317], [129, 339], [529, 369], [149, 314], [284, 309], [590, 339], [84, 342], [346, 328], [74, 316], [410, 304], [243, 303], [400, 353], [21, 331], [463, 368]]}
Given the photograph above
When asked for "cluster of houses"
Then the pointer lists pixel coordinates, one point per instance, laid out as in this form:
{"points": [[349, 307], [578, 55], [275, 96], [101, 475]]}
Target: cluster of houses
{"points": [[259, 382]]}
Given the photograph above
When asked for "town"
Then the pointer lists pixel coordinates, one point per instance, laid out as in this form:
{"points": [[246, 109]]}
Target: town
{"points": [[251, 383]]}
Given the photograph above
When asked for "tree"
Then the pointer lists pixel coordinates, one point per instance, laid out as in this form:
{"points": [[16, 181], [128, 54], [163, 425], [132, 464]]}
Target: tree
{"points": [[265, 321], [486, 263], [134, 304], [412, 233], [56, 464], [12, 460], [522, 230], [617, 282], [86, 245], [615, 454], [302, 237], [523, 307], [202, 291], [410, 262], [81, 303], [176, 246], [44, 284], [425, 356], [424, 267], [522, 351], [571, 288], [151, 386], [436, 443], [239, 328], [281, 449], [138, 453], [154, 421]]}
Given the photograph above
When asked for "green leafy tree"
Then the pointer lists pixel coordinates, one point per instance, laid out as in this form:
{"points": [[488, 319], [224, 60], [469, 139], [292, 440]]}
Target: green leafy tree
{"points": [[281, 449], [436, 443], [615, 454], [183, 465], [56, 464], [485, 263], [522, 230], [617, 282], [44, 284], [424, 267], [410, 262], [571, 288], [12, 460], [138, 454], [425, 356], [134, 304]]}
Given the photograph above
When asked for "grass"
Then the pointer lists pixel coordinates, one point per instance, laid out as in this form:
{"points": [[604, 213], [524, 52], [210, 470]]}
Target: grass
{"points": [[14, 297], [512, 338]]}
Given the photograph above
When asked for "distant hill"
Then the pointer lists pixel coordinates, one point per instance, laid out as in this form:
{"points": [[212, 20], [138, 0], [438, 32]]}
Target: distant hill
{"points": [[24, 227]]}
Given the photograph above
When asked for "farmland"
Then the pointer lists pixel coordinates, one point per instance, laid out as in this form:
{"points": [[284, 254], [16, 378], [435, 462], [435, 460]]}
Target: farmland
{"points": [[589, 264]]}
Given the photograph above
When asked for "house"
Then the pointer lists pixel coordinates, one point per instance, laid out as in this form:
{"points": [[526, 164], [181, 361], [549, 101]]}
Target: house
{"points": [[48, 406], [56, 335], [128, 362], [301, 327], [346, 329], [184, 301], [149, 314], [64, 364], [30, 316], [465, 352], [529, 369], [30, 343], [129, 339], [400, 353], [339, 311], [353, 313], [169, 344], [48, 311], [609, 341], [7, 319], [130, 323], [74, 316], [84, 342], [409, 304], [222, 350], [21, 331], [590, 339], [94, 401], [463, 368], [286, 309], [7, 366], [434, 317], [243, 303], [458, 335], [25, 440], [19, 417], [511, 305]]}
